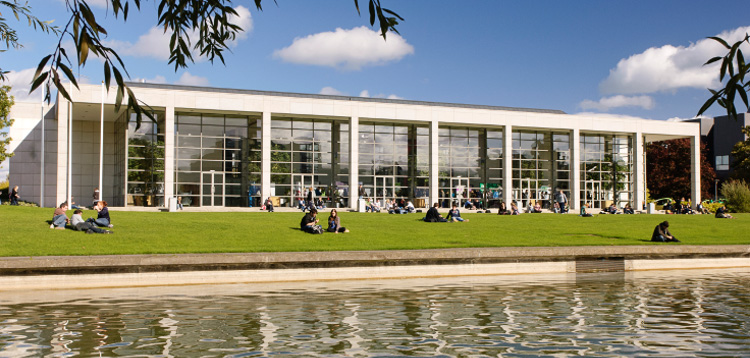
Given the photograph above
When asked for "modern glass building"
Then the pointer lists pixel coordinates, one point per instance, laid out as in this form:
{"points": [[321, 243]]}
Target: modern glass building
{"points": [[234, 148]]}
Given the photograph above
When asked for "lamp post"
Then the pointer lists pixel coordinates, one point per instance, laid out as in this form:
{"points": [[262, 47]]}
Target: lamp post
{"points": [[716, 189]]}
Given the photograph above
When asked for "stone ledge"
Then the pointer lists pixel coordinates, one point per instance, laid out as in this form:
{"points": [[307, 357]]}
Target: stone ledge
{"points": [[72, 265]]}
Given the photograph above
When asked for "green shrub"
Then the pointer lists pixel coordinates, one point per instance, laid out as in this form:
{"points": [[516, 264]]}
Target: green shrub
{"points": [[737, 196], [712, 207]]}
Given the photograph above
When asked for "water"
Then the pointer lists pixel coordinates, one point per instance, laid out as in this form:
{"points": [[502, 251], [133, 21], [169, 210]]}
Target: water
{"points": [[662, 314]]}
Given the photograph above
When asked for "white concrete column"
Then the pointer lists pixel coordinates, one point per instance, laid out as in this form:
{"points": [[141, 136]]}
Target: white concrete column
{"points": [[695, 168], [575, 170], [265, 164], [639, 166], [169, 143], [434, 162], [62, 150], [508, 165], [353, 162]]}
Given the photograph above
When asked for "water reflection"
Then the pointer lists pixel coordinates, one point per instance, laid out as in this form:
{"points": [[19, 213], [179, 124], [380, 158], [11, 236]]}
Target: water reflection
{"points": [[647, 314]]}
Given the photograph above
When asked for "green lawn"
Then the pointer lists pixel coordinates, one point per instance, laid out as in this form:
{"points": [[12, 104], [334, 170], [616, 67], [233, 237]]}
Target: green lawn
{"points": [[26, 232]]}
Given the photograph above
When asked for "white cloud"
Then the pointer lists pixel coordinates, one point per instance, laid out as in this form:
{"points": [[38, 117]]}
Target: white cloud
{"points": [[155, 42], [346, 49], [331, 91], [607, 103], [20, 83], [670, 67], [364, 93], [190, 80]]}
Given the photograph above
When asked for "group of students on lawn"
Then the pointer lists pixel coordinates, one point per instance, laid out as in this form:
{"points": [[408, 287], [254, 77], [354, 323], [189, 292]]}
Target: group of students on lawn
{"points": [[89, 226]]}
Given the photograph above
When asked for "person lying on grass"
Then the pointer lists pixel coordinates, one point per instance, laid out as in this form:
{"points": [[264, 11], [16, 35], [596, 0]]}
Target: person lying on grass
{"points": [[662, 234], [77, 222]]}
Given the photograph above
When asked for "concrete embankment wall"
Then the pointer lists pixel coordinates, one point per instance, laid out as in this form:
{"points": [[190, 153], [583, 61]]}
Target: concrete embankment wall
{"points": [[76, 272]]}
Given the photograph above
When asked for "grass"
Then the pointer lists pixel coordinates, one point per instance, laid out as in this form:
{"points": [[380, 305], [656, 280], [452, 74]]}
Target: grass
{"points": [[26, 232]]}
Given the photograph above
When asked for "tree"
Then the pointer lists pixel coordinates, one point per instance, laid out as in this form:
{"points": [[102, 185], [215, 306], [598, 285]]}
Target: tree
{"points": [[668, 169], [9, 35], [210, 19], [734, 67], [741, 157], [6, 101]]}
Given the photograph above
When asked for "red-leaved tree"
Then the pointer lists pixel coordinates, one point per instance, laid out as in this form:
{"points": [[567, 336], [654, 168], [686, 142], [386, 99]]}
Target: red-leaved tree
{"points": [[668, 170]]}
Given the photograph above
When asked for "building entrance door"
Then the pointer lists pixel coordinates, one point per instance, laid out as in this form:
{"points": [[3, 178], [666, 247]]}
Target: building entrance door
{"points": [[302, 184], [460, 187], [212, 189], [384, 188], [593, 194]]}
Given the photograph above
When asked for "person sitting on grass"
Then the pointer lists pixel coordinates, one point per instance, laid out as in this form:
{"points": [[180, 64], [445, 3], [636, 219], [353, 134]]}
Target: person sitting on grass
{"points": [[102, 219], [410, 207], [455, 215], [584, 211], [537, 208], [556, 208], [514, 208], [662, 234], [627, 209], [721, 213], [269, 205], [334, 223], [59, 219], [433, 216], [77, 222], [503, 209], [309, 223]]}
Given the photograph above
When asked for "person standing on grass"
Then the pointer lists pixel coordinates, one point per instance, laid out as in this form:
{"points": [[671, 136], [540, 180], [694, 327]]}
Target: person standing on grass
{"points": [[662, 234], [334, 223], [561, 200], [102, 218], [96, 196], [77, 222], [14, 196], [59, 219], [310, 221], [433, 216]]}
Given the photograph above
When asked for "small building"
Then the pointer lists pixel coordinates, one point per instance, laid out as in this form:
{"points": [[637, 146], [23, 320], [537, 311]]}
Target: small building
{"points": [[217, 147], [720, 135]]}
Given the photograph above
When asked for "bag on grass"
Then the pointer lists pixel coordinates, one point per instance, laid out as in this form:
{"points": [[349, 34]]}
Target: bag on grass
{"points": [[317, 229]]}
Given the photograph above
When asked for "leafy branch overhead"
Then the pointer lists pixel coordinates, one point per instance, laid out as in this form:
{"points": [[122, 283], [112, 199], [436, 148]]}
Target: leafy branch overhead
{"points": [[734, 68], [9, 36], [210, 20]]}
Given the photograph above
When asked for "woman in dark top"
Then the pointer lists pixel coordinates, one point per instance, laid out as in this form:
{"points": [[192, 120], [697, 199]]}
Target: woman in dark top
{"points": [[334, 223], [102, 219], [14, 196], [503, 209]]}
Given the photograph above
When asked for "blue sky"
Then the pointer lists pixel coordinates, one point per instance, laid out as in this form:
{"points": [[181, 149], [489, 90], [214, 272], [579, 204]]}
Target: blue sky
{"points": [[623, 58]]}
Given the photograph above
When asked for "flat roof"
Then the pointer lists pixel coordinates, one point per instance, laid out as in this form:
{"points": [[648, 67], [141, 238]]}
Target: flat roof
{"points": [[335, 97]]}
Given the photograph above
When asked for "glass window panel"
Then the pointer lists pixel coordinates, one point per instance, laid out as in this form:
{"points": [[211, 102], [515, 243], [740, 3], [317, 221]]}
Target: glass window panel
{"points": [[183, 141], [213, 154], [186, 119], [188, 177], [302, 134], [188, 129], [322, 136], [183, 153], [212, 165], [281, 123], [215, 131], [188, 165], [213, 142], [283, 134], [281, 145], [302, 124]]}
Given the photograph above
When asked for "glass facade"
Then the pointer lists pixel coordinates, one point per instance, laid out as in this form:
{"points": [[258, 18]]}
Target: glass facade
{"points": [[217, 163], [541, 164], [217, 159], [394, 161], [470, 166], [309, 154], [606, 170]]}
